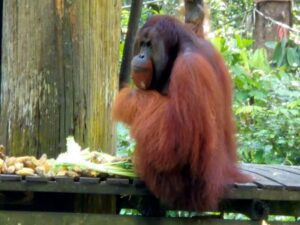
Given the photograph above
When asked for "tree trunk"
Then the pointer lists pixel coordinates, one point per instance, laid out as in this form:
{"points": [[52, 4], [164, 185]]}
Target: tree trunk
{"points": [[279, 10], [133, 23], [59, 74], [59, 77], [194, 15]]}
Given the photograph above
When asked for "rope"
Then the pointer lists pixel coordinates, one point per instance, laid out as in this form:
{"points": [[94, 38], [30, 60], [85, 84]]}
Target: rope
{"points": [[296, 31], [277, 22]]}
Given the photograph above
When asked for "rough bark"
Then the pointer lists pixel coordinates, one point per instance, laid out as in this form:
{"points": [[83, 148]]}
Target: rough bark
{"points": [[265, 30], [59, 74]]}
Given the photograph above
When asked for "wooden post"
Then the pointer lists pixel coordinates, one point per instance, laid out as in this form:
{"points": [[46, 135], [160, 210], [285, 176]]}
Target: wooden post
{"points": [[279, 10], [59, 74], [59, 77]]}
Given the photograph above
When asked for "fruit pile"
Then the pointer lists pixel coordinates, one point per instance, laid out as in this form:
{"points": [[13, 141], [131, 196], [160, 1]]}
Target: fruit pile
{"points": [[75, 162]]}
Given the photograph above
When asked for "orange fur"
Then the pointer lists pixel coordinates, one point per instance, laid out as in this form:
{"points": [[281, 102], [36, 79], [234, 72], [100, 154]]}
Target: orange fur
{"points": [[185, 151]]}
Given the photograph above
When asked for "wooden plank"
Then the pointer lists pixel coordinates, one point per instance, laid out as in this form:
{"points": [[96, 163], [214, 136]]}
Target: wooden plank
{"points": [[294, 167], [89, 180], [138, 183], [264, 194], [36, 218], [103, 188], [291, 169], [117, 181], [10, 177], [37, 179], [72, 187], [289, 180], [245, 185], [262, 181]]}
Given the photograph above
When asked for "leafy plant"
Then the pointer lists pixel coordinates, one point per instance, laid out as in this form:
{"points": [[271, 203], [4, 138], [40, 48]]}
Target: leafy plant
{"points": [[266, 103], [235, 17], [125, 144], [286, 52]]}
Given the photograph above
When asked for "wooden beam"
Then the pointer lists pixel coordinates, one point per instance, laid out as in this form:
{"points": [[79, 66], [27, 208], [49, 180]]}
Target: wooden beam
{"points": [[108, 189], [37, 218]]}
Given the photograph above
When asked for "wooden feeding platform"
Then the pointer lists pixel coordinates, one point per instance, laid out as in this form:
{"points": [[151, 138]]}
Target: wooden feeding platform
{"points": [[32, 199]]}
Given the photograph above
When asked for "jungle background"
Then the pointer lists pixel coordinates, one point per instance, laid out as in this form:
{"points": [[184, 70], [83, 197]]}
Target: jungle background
{"points": [[266, 78]]}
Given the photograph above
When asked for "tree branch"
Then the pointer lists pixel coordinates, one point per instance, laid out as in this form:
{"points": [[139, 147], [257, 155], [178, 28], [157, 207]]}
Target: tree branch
{"points": [[135, 14]]}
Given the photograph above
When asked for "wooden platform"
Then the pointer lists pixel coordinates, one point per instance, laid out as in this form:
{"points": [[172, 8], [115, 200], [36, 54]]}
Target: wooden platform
{"points": [[274, 191], [270, 183]]}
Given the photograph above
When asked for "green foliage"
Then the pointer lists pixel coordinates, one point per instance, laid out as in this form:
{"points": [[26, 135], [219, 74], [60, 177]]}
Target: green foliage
{"points": [[296, 20], [235, 216], [267, 94], [266, 102], [286, 52], [129, 212], [169, 7], [228, 17], [282, 218], [125, 144]]}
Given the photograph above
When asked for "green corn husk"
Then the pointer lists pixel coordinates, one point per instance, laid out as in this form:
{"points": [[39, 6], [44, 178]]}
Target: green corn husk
{"points": [[76, 157], [107, 168]]}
